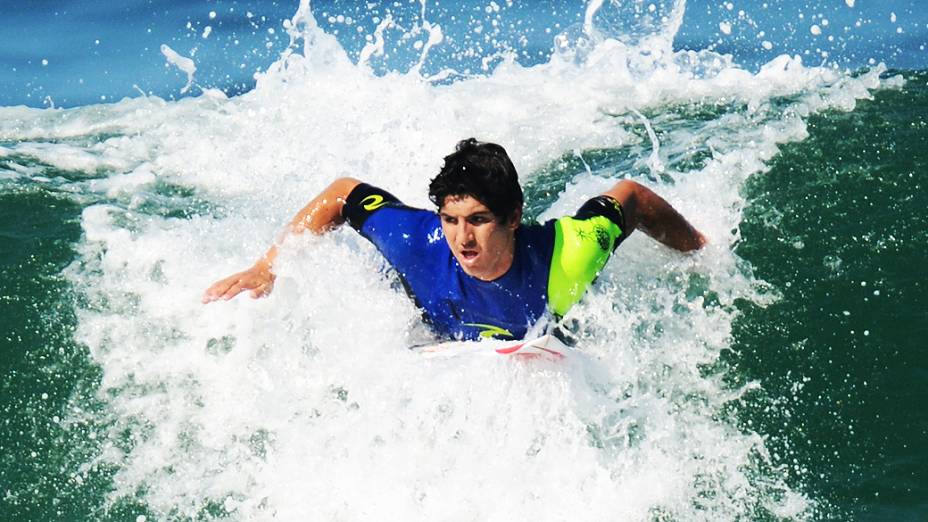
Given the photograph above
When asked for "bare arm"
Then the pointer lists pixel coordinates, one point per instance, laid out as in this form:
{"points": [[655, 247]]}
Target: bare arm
{"points": [[651, 213], [320, 215]]}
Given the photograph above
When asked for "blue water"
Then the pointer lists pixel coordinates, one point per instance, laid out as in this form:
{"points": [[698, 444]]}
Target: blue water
{"points": [[70, 53]]}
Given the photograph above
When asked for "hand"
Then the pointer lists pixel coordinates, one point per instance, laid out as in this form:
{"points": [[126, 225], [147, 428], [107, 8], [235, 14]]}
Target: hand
{"points": [[258, 279]]}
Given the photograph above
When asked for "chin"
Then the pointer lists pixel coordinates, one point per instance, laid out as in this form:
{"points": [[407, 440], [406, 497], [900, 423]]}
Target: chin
{"points": [[473, 271]]}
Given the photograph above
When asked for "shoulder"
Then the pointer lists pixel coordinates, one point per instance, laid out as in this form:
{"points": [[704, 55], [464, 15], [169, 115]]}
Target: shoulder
{"points": [[582, 246]]}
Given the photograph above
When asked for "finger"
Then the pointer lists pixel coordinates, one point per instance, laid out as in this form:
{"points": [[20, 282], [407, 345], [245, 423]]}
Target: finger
{"points": [[218, 289], [233, 291]]}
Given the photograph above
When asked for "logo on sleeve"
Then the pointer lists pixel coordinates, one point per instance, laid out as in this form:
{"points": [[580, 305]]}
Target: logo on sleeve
{"points": [[373, 202], [598, 234]]}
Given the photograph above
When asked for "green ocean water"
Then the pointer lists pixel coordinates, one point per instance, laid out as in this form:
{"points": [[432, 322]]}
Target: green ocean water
{"points": [[839, 228], [47, 377], [836, 227]]}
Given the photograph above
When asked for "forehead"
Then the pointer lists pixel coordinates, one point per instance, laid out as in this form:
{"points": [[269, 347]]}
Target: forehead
{"points": [[462, 206]]}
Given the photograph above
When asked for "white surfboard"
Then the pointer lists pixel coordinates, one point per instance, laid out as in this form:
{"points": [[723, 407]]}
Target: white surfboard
{"points": [[544, 347]]}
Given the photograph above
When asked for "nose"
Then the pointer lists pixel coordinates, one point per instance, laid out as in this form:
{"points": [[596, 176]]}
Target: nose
{"points": [[466, 233]]}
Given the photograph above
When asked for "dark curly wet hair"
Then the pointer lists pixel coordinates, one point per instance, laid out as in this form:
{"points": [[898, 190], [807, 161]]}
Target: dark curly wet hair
{"points": [[482, 171]]}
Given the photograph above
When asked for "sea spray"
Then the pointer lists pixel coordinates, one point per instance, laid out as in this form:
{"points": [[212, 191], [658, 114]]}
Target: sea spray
{"points": [[181, 62]]}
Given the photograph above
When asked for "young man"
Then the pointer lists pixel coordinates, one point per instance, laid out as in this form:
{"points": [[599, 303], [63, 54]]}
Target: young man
{"points": [[473, 268]]}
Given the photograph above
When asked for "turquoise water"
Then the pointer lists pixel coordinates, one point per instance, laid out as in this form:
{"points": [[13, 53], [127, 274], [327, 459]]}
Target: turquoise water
{"points": [[779, 375]]}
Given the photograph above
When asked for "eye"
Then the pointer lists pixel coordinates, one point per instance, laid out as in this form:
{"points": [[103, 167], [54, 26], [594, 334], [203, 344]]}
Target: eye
{"points": [[478, 220], [449, 219]]}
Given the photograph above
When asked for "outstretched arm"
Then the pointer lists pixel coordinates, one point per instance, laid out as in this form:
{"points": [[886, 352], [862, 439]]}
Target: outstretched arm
{"points": [[322, 214], [651, 213]]}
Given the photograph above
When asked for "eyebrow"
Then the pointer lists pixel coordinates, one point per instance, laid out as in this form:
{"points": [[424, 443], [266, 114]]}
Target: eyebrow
{"points": [[479, 213]]}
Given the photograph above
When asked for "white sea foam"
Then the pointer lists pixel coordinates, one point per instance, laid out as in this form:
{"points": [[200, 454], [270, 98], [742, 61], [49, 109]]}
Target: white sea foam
{"points": [[307, 404]]}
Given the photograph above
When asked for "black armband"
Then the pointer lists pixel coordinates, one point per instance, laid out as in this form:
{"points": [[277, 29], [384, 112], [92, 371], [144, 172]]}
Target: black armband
{"points": [[363, 201], [603, 206]]}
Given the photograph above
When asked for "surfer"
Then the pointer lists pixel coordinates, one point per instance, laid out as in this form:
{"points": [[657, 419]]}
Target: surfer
{"points": [[473, 268]]}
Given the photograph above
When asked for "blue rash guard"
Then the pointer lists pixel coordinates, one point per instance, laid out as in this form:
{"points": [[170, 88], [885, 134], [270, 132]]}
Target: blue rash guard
{"points": [[553, 264]]}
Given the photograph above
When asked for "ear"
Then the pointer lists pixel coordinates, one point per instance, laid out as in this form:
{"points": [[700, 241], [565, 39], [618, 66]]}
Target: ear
{"points": [[515, 220]]}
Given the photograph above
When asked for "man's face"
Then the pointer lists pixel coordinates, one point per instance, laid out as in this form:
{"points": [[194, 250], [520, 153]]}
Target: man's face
{"points": [[482, 245]]}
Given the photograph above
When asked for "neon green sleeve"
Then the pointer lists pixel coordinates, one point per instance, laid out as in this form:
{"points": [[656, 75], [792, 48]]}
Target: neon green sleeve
{"points": [[581, 249]]}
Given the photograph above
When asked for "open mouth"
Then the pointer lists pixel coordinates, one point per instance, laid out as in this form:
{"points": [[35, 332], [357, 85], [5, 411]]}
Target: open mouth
{"points": [[468, 255]]}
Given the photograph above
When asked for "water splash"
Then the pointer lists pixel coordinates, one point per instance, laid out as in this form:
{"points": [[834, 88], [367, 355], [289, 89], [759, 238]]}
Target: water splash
{"points": [[181, 62]]}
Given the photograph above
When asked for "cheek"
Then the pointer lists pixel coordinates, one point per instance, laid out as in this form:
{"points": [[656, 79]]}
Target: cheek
{"points": [[448, 232], [493, 238]]}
